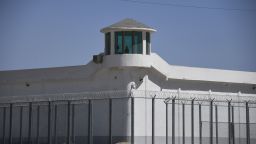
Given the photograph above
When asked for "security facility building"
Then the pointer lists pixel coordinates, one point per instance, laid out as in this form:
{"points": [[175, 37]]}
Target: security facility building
{"points": [[128, 94]]}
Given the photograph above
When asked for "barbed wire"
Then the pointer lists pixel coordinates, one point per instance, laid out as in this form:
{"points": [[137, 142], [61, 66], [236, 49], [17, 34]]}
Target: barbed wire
{"points": [[186, 6]]}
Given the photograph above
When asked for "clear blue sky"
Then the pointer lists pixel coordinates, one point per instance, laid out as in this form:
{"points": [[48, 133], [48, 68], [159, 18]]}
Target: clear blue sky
{"points": [[53, 33]]}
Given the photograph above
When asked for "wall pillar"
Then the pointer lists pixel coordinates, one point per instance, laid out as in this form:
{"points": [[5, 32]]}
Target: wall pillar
{"points": [[112, 43], [144, 43]]}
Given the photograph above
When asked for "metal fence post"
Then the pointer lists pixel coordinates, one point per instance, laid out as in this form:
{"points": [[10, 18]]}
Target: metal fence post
{"points": [[166, 120], [90, 122], [49, 123], [247, 124], [110, 121], [216, 120], [73, 124], [153, 120], [10, 128], [200, 125], [55, 123], [132, 120], [211, 123], [183, 123], [38, 124], [4, 123], [229, 126], [68, 123], [21, 123], [233, 126], [173, 121], [30, 123], [192, 121]]}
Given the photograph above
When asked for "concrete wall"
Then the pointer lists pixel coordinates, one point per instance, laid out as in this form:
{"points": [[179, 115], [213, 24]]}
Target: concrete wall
{"points": [[123, 72]]}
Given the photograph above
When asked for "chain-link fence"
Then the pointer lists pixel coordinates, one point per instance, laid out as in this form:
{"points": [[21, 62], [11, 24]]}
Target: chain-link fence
{"points": [[93, 121], [111, 120], [221, 133]]}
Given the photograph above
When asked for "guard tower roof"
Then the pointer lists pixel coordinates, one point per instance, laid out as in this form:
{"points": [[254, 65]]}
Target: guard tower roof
{"points": [[127, 25]]}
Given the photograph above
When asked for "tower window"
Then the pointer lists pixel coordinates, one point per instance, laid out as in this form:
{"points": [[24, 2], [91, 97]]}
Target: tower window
{"points": [[107, 43], [118, 43], [137, 45], [128, 42], [147, 43]]}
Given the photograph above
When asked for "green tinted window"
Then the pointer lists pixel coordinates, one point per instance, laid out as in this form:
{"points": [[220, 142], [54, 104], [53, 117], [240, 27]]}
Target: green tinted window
{"points": [[107, 43], [128, 42], [137, 46], [118, 43], [147, 43]]}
